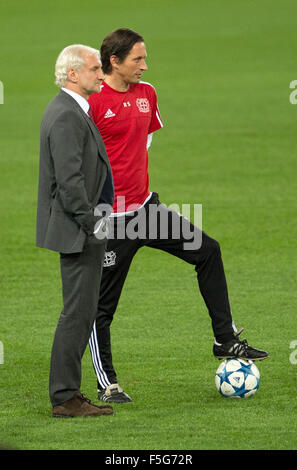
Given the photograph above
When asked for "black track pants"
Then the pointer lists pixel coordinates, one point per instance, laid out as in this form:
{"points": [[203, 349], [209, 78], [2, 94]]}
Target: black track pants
{"points": [[159, 232]]}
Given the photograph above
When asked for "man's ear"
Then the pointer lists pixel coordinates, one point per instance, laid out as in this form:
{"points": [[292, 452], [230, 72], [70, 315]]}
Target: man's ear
{"points": [[114, 61], [72, 76]]}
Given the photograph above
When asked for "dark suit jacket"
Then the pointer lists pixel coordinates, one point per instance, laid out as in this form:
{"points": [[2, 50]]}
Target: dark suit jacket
{"points": [[72, 172]]}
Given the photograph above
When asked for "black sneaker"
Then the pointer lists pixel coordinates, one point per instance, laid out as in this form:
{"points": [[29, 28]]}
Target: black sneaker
{"points": [[237, 348], [114, 394]]}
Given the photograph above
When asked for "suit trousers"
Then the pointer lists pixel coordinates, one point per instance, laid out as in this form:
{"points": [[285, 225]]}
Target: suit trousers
{"points": [[205, 256], [81, 277]]}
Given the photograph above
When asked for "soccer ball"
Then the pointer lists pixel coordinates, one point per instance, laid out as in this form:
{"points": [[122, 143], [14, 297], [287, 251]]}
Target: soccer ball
{"points": [[236, 378]]}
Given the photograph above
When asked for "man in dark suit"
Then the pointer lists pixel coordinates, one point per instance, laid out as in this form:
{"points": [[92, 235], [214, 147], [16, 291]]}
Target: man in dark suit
{"points": [[75, 181]]}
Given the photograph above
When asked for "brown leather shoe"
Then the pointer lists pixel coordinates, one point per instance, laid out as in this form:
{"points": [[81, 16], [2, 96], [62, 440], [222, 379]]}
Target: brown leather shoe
{"points": [[79, 405]]}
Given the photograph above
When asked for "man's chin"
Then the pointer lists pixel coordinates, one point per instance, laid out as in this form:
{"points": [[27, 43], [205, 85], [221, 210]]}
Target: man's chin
{"points": [[134, 81], [95, 90]]}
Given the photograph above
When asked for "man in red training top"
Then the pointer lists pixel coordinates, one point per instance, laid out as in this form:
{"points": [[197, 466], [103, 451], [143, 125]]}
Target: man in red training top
{"points": [[126, 114]]}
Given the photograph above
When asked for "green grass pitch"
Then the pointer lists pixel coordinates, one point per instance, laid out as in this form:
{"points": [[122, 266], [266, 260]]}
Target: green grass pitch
{"points": [[222, 71]]}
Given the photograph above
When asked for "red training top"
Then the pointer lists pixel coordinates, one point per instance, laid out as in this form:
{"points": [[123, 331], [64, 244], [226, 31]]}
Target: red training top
{"points": [[125, 119]]}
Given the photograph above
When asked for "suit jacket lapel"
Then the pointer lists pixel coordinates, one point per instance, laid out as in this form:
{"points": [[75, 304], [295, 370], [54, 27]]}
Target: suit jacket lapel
{"points": [[97, 137], [92, 126]]}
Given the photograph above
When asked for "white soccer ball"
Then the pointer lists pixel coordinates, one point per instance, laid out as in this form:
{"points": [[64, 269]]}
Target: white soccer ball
{"points": [[236, 378]]}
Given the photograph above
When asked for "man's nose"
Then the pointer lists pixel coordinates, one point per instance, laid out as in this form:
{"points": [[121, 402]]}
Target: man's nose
{"points": [[101, 75], [144, 65]]}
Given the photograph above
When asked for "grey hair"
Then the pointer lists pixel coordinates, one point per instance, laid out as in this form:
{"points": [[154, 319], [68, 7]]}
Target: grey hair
{"points": [[72, 57]]}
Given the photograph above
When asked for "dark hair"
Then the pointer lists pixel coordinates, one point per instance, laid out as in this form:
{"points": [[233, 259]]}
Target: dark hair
{"points": [[118, 43]]}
